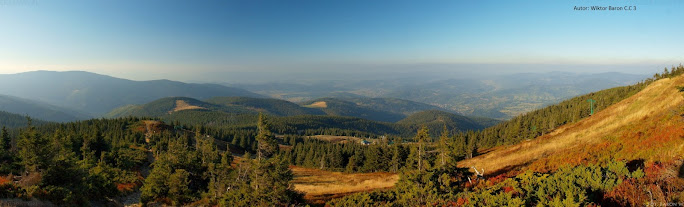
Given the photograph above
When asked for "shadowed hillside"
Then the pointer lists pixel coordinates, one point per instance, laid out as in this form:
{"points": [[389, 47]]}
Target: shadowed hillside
{"points": [[98, 94], [39, 110]]}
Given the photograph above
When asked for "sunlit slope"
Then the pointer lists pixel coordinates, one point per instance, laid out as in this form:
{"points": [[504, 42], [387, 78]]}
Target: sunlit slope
{"points": [[648, 126]]}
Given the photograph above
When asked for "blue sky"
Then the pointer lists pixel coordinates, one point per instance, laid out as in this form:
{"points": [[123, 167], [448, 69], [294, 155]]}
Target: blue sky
{"points": [[151, 39]]}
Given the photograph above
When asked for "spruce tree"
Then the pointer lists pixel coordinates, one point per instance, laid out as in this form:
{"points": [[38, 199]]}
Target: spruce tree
{"points": [[395, 163], [421, 137], [5, 141], [35, 150], [444, 148], [267, 145]]}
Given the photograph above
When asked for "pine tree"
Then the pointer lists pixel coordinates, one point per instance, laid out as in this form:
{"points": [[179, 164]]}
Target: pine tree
{"points": [[421, 137], [36, 151], [444, 148], [179, 187], [5, 141], [267, 145], [395, 163]]}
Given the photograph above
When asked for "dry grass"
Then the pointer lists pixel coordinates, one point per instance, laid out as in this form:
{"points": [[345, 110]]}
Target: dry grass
{"points": [[319, 104], [607, 131], [182, 105], [320, 185]]}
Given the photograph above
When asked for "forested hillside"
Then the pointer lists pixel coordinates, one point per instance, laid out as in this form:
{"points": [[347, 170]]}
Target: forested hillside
{"points": [[266, 105], [435, 120], [239, 113], [15, 120], [170, 105], [337, 107]]}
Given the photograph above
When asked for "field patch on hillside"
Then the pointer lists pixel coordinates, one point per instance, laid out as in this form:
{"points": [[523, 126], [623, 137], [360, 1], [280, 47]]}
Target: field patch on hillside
{"points": [[182, 105], [320, 186], [318, 104]]}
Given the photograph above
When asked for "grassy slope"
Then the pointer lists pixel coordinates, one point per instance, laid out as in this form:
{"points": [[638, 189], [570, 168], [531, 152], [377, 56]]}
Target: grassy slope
{"points": [[646, 126], [320, 185]]}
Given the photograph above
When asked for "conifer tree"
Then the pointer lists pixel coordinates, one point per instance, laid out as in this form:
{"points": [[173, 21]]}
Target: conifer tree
{"points": [[396, 155], [444, 148], [421, 137], [267, 145], [5, 140], [35, 150]]}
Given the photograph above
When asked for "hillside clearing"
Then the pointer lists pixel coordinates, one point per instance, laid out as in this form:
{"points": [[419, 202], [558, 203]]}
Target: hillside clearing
{"points": [[182, 105], [319, 104], [646, 126], [320, 185]]}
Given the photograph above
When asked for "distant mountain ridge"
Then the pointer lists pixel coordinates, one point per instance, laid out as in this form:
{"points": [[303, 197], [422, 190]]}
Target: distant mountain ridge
{"points": [[97, 94], [39, 110]]}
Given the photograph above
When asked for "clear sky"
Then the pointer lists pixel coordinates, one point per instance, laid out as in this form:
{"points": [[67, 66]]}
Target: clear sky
{"points": [[189, 39]]}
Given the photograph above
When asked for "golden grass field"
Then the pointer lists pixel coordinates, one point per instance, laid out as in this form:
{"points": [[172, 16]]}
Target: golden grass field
{"points": [[182, 105], [320, 186], [319, 104], [645, 126]]}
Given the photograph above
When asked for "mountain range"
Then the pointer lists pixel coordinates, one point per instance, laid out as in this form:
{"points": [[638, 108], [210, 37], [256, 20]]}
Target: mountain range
{"points": [[95, 94]]}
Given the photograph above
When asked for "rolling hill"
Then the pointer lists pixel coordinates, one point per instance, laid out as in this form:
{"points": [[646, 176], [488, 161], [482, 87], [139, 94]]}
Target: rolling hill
{"points": [[436, 120], [331, 115], [170, 105], [267, 105], [646, 127], [338, 107], [96, 94], [39, 110]]}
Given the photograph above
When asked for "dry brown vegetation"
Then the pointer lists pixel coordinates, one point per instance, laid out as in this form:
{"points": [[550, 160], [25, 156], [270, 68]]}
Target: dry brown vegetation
{"points": [[320, 185], [182, 105], [646, 126], [319, 104]]}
